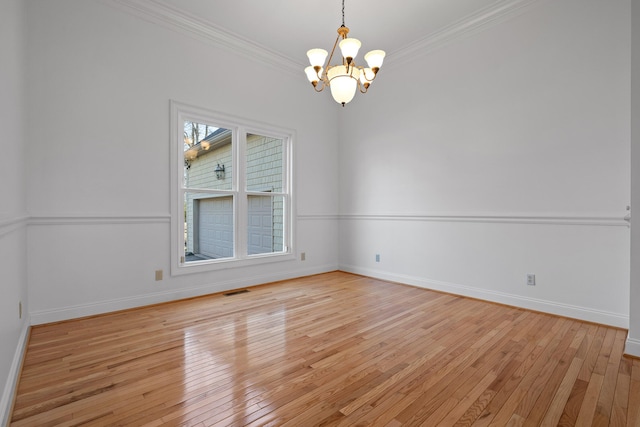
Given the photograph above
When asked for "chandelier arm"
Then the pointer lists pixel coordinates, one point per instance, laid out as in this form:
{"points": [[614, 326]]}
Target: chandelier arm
{"points": [[331, 56], [322, 86], [365, 77], [352, 67]]}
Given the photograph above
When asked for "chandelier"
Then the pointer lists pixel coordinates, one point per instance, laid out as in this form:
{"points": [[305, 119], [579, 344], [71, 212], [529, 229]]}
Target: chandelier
{"points": [[343, 79]]}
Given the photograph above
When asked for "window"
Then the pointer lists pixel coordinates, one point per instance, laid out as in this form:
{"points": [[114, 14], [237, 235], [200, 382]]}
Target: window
{"points": [[231, 198]]}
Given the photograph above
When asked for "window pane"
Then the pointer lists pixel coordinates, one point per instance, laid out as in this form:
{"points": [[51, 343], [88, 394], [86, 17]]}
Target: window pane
{"points": [[264, 163], [207, 156], [265, 224], [208, 226]]}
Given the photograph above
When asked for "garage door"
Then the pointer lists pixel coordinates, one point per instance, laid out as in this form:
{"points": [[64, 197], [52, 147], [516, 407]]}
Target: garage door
{"points": [[260, 225], [214, 227]]}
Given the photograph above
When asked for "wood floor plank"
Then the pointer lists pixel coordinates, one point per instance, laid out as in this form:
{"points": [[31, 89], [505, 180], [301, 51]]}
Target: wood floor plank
{"points": [[633, 405], [333, 349], [621, 396], [588, 408], [563, 392], [546, 375], [525, 367]]}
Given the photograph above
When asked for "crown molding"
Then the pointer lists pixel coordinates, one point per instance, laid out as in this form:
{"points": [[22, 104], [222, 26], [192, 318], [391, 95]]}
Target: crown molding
{"points": [[497, 12], [156, 12], [160, 13]]}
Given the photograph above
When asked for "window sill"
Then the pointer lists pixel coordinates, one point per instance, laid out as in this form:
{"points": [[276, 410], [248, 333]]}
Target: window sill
{"points": [[205, 266]]}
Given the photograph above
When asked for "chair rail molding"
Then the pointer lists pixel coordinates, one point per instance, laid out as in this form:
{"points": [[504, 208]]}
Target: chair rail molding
{"points": [[7, 225], [318, 217], [591, 219], [79, 219]]}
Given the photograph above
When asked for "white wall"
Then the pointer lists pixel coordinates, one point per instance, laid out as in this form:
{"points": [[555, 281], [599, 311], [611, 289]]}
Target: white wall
{"points": [[509, 157], [504, 153], [100, 81], [13, 270], [633, 341]]}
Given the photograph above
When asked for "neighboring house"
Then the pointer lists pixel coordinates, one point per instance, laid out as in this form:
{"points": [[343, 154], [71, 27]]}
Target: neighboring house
{"points": [[209, 215]]}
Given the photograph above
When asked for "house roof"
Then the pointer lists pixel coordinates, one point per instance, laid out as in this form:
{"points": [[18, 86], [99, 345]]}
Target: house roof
{"points": [[213, 141]]}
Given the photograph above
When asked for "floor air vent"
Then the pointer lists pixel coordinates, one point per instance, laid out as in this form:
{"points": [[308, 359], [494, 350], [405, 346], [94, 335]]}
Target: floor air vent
{"points": [[241, 291]]}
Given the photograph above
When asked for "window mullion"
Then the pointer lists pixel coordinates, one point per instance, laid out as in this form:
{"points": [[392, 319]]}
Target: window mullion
{"points": [[241, 200], [180, 232], [287, 190]]}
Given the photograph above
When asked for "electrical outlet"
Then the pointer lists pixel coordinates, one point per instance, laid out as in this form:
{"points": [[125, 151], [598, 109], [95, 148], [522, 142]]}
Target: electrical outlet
{"points": [[303, 256], [531, 279], [158, 275], [377, 257]]}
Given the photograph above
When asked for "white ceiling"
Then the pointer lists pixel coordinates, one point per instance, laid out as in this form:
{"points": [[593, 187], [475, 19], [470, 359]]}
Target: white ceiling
{"points": [[291, 27]]}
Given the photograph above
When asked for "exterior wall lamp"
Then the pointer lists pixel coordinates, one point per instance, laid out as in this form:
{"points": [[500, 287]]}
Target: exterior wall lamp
{"points": [[219, 170], [189, 156]]}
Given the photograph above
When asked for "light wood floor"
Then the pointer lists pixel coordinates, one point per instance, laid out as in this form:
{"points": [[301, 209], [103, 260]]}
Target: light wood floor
{"points": [[332, 349]]}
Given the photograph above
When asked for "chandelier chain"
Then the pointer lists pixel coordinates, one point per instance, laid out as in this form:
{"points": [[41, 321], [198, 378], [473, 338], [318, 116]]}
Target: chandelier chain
{"points": [[343, 13]]}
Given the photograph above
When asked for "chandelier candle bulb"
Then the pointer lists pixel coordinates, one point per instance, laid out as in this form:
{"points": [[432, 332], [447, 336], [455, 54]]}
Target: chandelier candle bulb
{"points": [[374, 59], [367, 77], [347, 77], [317, 57], [312, 75], [349, 49]]}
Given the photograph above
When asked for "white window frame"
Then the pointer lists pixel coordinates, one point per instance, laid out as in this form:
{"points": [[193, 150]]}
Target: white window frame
{"points": [[239, 127]]}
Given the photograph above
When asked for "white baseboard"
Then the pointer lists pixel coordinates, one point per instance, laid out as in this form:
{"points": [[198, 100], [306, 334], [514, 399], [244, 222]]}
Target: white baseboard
{"points": [[6, 404], [83, 310], [632, 347], [545, 306]]}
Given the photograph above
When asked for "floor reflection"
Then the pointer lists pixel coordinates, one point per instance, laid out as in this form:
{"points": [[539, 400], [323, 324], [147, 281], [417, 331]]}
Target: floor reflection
{"points": [[218, 360]]}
